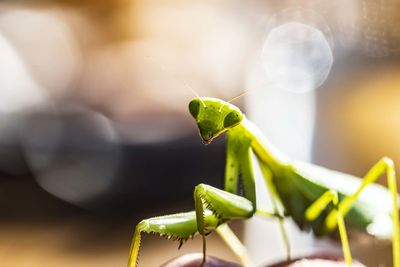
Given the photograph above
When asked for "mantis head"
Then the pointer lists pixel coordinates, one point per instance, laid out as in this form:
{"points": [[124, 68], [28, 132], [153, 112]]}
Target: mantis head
{"points": [[214, 116]]}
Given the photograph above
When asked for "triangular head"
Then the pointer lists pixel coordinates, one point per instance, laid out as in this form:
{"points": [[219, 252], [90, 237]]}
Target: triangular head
{"points": [[214, 116]]}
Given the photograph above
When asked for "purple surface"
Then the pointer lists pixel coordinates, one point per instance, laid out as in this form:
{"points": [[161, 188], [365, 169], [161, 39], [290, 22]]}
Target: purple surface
{"points": [[195, 259]]}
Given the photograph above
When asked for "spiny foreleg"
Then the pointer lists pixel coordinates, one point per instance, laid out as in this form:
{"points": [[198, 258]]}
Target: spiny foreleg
{"points": [[224, 206], [181, 227]]}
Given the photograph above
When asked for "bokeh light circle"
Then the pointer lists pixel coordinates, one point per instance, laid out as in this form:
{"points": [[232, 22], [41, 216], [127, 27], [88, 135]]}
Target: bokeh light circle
{"points": [[297, 55], [73, 153]]}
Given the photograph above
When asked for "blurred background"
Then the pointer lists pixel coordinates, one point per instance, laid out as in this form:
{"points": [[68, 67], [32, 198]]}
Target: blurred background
{"points": [[94, 129]]}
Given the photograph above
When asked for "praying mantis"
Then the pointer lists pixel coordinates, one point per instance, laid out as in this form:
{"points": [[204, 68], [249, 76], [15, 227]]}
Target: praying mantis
{"points": [[314, 197]]}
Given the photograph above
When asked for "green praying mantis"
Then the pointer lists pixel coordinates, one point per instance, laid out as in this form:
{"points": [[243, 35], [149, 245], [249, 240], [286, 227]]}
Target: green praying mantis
{"points": [[316, 198]]}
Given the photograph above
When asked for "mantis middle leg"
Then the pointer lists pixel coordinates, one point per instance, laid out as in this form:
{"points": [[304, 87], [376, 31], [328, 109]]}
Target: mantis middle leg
{"points": [[274, 197], [239, 164]]}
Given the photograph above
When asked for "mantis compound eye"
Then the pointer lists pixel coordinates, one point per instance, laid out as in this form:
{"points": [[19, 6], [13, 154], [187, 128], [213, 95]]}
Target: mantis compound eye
{"points": [[194, 107], [232, 119]]}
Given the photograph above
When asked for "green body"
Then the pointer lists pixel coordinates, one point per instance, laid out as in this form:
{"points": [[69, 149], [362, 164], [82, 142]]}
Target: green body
{"points": [[316, 198], [297, 184]]}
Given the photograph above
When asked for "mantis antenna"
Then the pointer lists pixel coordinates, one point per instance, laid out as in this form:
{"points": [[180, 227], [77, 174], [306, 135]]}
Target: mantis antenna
{"points": [[175, 78], [246, 92], [238, 96], [233, 99], [196, 94]]}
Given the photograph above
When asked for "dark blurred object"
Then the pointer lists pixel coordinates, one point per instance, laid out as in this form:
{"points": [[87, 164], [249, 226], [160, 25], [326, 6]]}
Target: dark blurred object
{"points": [[73, 152], [11, 156], [195, 259], [77, 155]]}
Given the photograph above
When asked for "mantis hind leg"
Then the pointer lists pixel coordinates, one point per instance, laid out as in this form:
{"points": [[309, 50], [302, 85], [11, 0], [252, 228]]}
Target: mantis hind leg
{"points": [[385, 165], [318, 206]]}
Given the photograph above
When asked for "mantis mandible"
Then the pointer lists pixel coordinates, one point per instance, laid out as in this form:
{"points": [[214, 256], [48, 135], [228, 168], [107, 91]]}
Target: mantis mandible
{"points": [[316, 198]]}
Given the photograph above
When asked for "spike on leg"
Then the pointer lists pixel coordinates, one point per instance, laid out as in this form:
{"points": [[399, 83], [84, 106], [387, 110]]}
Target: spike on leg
{"points": [[135, 246]]}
